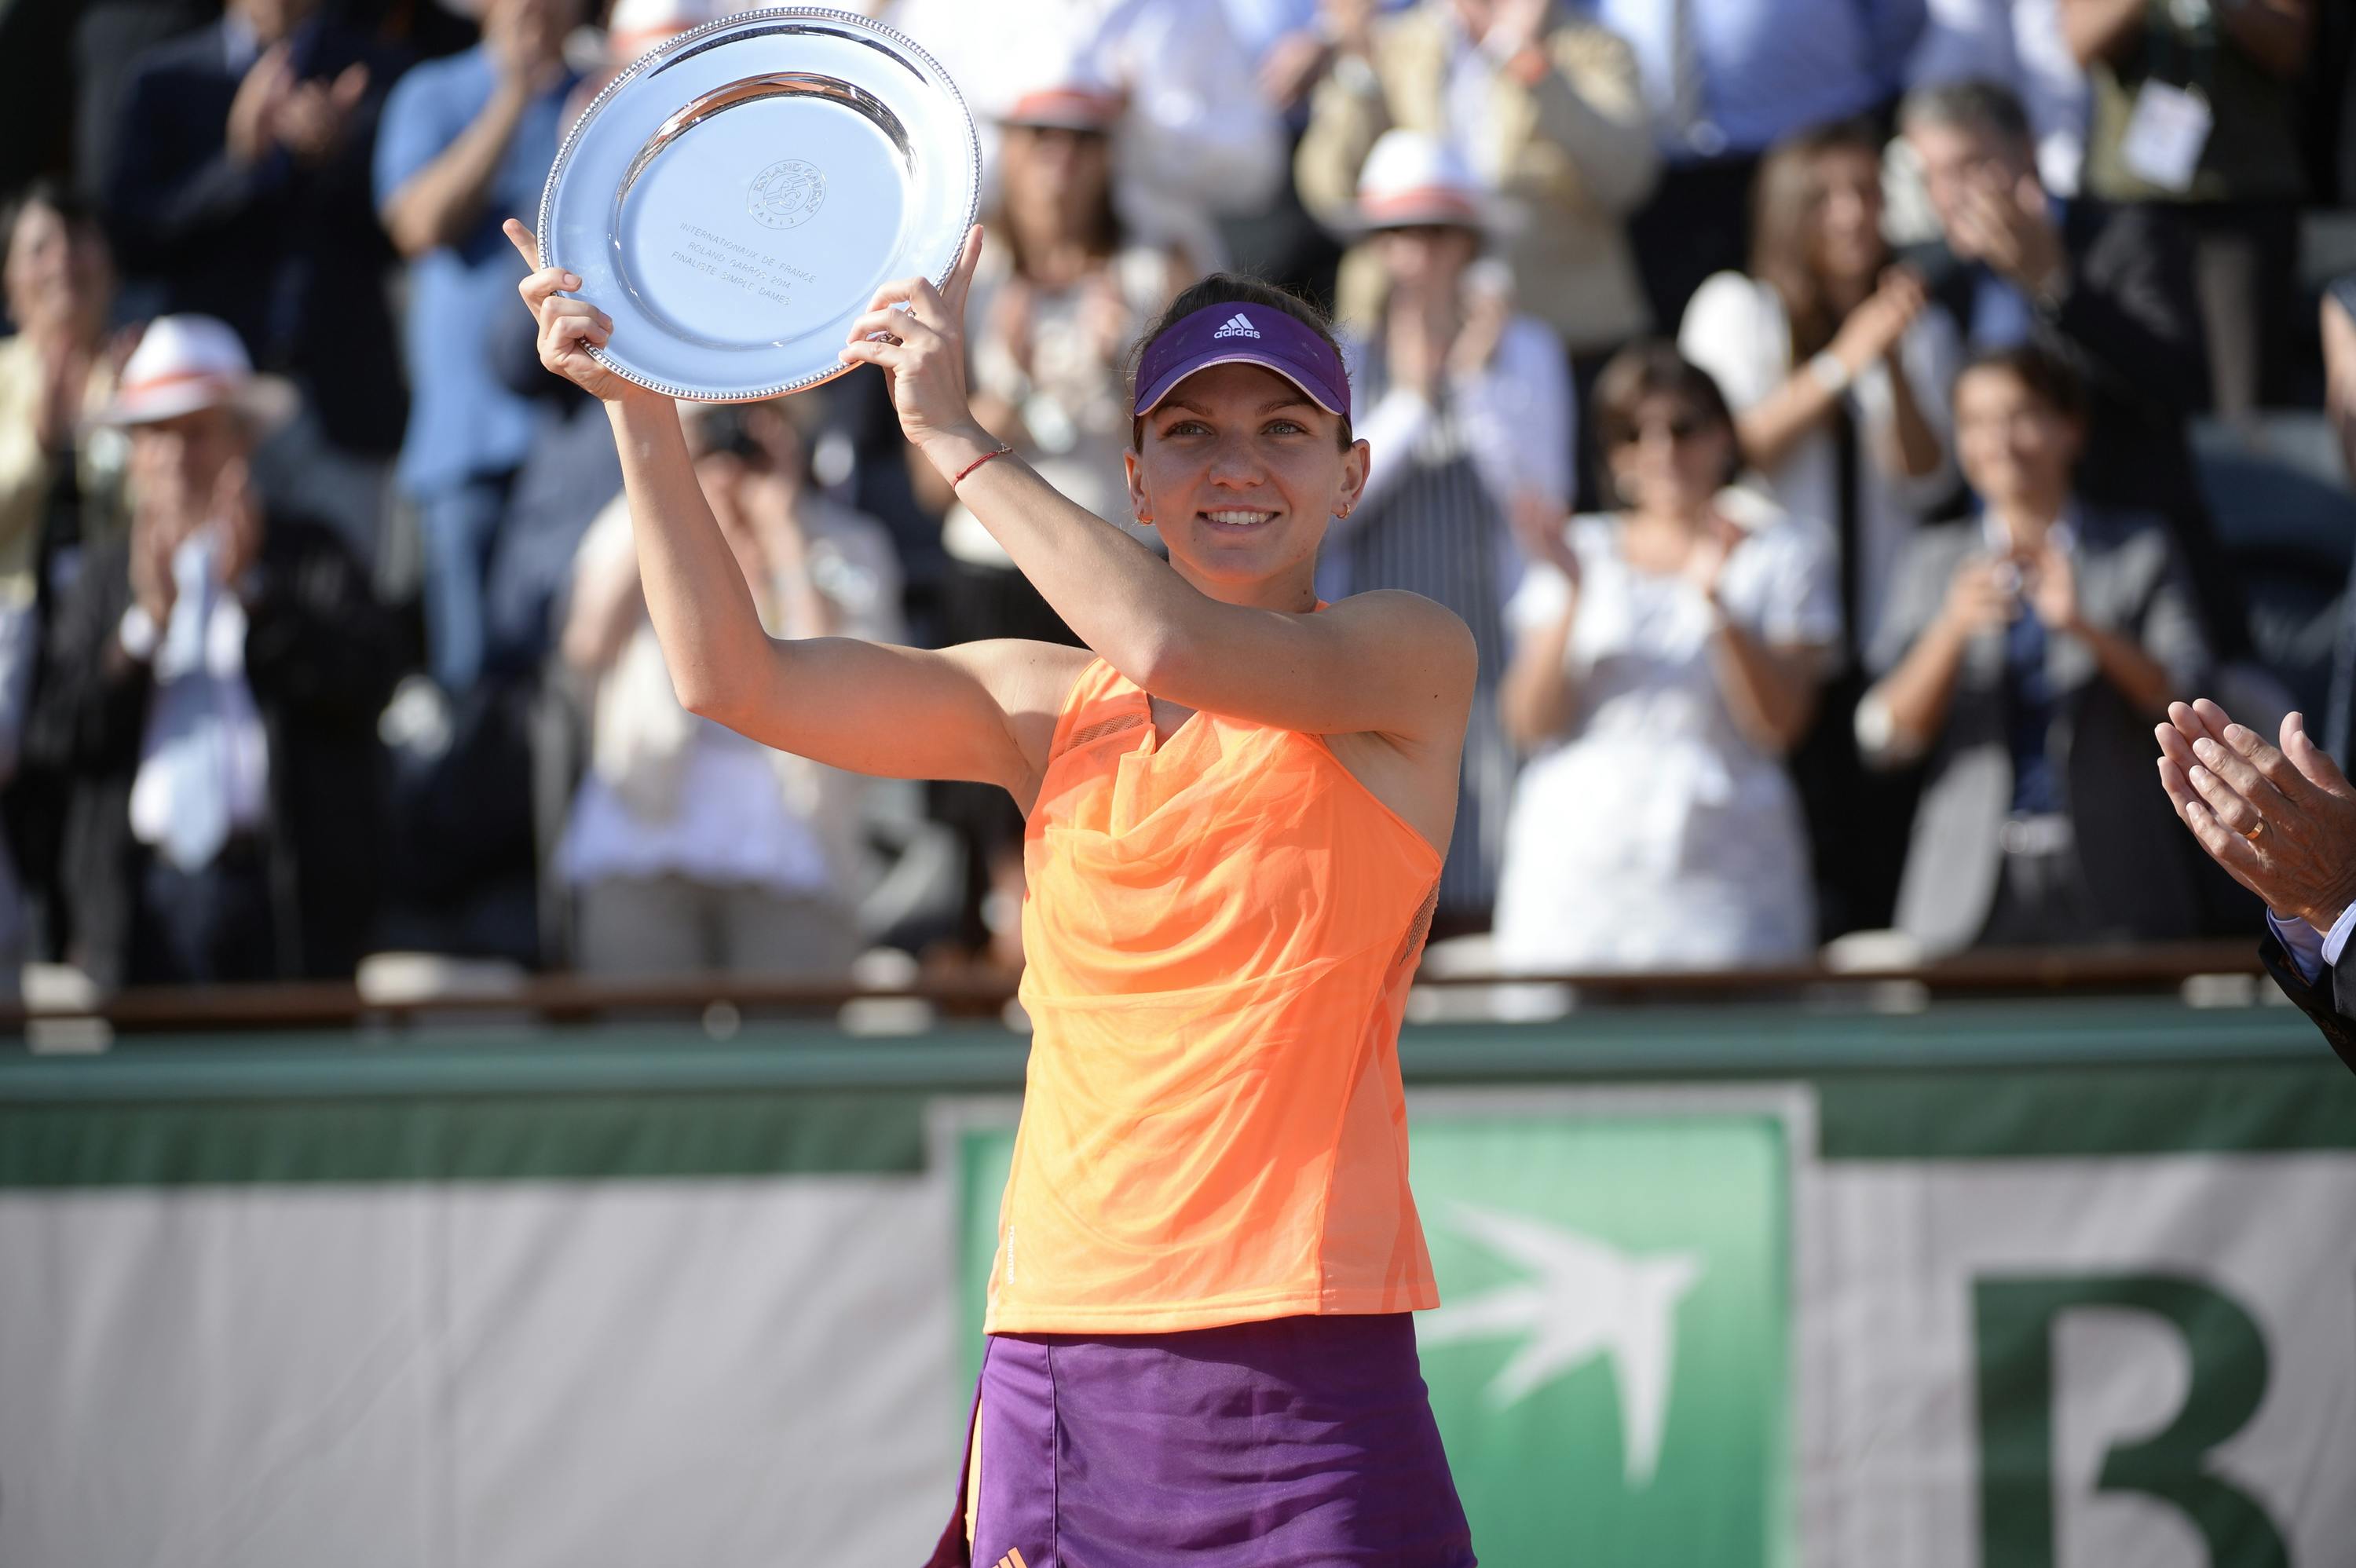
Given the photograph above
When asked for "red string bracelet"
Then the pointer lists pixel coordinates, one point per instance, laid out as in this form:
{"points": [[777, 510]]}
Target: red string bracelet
{"points": [[977, 462]]}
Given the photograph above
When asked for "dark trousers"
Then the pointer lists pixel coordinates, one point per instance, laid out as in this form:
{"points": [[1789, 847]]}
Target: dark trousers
{"points": [[1859, 818], [458, 525], [208, 927], [2041, 900], [1697, 223]]}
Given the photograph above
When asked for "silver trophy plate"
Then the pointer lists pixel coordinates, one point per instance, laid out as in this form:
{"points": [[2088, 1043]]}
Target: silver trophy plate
{"points": [[736, 198]]}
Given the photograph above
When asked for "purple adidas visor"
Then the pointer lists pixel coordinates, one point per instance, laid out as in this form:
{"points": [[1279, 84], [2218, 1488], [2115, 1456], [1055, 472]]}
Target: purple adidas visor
{"points": [[1242, 335]]}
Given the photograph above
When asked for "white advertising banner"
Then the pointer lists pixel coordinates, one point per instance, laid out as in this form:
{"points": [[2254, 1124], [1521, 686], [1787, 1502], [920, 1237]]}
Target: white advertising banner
{"points": [[723, 1374]]}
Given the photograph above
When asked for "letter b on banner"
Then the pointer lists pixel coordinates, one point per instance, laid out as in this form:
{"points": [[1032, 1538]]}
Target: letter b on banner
{"points": [[2015, 1319]]}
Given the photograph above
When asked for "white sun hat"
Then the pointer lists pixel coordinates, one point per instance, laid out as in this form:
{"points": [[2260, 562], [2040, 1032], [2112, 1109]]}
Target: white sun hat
{"points": [[1412, 178], [185, 363], [1062, 90]]}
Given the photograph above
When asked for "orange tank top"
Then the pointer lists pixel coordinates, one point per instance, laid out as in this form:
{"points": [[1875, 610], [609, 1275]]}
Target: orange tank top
{"points": [[1219, 933]]}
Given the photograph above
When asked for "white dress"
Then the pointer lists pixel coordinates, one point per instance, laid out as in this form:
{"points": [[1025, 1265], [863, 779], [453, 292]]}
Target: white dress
{"points": [[1654, 834]]}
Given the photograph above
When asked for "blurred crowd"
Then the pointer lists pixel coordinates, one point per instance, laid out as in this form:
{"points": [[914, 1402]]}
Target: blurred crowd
{"points": [[1843, 424]]}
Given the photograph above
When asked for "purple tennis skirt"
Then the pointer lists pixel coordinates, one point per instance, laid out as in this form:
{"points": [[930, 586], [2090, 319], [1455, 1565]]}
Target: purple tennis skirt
{"points": [[1294, 1442]]}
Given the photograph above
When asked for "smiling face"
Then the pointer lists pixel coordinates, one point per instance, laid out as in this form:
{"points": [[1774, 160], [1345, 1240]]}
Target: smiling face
{"points": [[1241, 472], [58, 278], [2016, 449], [1956, 158], [1672, 457]]}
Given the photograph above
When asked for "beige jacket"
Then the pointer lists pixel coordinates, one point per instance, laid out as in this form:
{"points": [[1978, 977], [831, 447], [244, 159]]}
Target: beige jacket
{"points": [[1576, 152]]}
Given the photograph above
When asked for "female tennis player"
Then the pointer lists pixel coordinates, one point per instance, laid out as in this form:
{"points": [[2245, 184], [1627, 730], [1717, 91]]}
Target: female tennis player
{"points": [[1238, 798]]}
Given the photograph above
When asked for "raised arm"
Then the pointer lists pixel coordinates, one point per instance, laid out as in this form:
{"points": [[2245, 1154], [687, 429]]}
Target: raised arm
{"points": [[1394, 663], [983, 711]]}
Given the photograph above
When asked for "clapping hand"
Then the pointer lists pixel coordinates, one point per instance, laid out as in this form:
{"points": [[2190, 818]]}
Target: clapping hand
{"points": [[253, 112], [2281, 819], [2053, 589], [1872, 331], [2006, 224], [1704, 567], [314, 116], [1979, 596], [1539, 528]]}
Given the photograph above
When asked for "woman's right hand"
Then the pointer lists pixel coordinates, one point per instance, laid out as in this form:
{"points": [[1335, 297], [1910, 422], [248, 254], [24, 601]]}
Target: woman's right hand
{"points": [[1542, 527], [569, 328], [1981, 595], [1874, 327]]}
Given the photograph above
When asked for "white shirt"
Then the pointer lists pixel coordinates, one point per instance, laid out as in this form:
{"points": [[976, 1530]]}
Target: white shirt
{"points": [[204, 760], [670, 794], [1735, 328], [1653, 834]]}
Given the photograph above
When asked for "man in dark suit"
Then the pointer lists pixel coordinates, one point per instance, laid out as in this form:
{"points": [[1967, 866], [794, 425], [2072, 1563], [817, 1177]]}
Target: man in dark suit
{"points": [[217, 676], [238, 187], [2109, 289], [2282, 820]]}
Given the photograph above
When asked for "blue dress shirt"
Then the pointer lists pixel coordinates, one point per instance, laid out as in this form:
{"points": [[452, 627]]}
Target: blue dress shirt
{"points": [[2312, 951], [1767, 67], [462, 420]]}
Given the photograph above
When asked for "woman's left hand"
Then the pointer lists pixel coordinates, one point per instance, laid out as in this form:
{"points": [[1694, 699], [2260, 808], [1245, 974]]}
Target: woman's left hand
{"points": [[2053, 590], [1719, 538], [917, 333]]}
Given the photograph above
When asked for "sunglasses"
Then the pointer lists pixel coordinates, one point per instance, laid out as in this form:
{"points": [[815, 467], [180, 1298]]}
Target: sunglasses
{"points": [[1682, 430]]}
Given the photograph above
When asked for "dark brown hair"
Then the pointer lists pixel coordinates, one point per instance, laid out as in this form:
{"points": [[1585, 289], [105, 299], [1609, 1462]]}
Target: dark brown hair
{"points": [[1652, 367], [1230, 288], [2049, 378], [79, 216], [1783, 219]]}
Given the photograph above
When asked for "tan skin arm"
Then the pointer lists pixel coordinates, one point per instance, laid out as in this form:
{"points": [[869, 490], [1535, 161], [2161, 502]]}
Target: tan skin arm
{"points": [[1917, 693], [1912, 447], [986, 712], [2138, 677], [1389, 665], [438, 204], [1770, 691], [2340, 377], [1537, 696], [605, 605], [1770, 428], [981, 711], [2142, 680]]}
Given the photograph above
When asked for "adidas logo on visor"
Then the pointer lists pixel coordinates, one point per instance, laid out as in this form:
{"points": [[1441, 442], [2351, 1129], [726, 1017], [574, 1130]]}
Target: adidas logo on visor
{"points": [[1236, 327]]}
